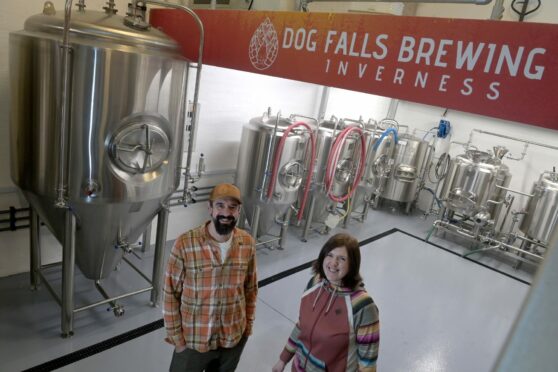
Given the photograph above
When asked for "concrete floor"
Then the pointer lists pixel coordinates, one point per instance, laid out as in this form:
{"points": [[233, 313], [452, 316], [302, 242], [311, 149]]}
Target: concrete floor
{"points": [[439, 311]]}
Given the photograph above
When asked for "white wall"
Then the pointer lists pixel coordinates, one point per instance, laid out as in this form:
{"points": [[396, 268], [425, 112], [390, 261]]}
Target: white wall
{"points": [[230, 98]]}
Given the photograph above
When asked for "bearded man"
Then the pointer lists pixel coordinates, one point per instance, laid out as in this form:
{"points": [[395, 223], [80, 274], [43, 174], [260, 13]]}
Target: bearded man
{"points": [[210, 289]]}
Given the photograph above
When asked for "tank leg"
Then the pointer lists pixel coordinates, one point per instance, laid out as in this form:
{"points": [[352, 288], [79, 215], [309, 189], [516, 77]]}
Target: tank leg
{"points": [[346, 205], [441, 213], [241, 219], [68, 267], [377, 202], [429, 233], [408, 207], [35, 254], [160, 239], [255, 222], [285, 227], [365, 209], [309, 218], [146, 239]]}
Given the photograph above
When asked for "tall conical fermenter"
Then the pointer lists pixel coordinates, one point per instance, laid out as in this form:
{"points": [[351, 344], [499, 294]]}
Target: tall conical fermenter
{"points": [[126, 106]]}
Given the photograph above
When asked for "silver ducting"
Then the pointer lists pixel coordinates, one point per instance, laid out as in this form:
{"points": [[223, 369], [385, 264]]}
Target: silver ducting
{"points": [[473, 2]]}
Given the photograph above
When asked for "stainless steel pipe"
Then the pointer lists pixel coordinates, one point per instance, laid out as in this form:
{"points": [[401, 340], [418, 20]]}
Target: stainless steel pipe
{"points": [[64, 111], [194, 116]]}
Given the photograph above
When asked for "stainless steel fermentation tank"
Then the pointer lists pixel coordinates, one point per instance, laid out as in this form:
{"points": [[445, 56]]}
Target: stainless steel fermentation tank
{"points": [[347, 166], [378, 146], [320, 203], [398, 169], [258, 154], [474, 185], [126, 114], [125, 106], [542, 210], [337, 169]]}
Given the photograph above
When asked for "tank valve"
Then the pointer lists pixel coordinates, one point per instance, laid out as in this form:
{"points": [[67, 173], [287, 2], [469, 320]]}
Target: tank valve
{"points": [[110, 8], [81, 5], [201, 166], [482, 218], [135, 17], [48, 8], [91, 188]]}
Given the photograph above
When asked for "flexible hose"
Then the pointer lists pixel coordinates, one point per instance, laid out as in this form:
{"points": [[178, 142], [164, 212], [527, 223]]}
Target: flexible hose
{"points": [[333, 159], [438, 201], [277, 159], [383, 135]]}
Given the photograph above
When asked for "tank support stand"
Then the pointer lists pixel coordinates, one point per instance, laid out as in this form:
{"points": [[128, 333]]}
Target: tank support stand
{"points": [[35, 254], [68, 267], [66, 300], [309, 217], [284, 228], [256, 222], [158, 261]]}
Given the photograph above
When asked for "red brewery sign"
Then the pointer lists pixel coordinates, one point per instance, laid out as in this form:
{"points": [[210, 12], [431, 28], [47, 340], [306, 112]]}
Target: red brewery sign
{"points": [[501, 69]]}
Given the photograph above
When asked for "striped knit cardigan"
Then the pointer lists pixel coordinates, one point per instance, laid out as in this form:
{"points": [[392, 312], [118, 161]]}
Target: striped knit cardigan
{"points": [[338, 330]]}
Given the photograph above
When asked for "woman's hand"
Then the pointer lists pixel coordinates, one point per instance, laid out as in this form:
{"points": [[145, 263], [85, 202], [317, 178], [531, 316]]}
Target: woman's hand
{"points": [[278, 367]]}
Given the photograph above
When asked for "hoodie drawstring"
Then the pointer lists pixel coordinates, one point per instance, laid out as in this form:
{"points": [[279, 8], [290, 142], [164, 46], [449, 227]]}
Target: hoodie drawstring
{"points": [[317, 295], [331, 297]]}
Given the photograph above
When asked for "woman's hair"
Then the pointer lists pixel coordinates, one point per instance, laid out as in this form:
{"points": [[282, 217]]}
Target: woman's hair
{"points": [[353, 278]]}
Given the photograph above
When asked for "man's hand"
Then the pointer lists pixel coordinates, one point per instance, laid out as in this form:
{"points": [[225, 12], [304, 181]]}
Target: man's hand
{"points": [[179, 349]]}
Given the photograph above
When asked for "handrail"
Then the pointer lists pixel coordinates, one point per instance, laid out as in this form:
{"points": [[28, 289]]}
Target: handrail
{"points": [[64, 139], [196, 88]]}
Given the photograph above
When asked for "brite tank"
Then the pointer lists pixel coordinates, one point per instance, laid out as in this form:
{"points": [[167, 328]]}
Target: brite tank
{"points": [[542, 210], [253, 159], [471, 184], [126, 128], [369, 179], [409, 163], [327, 131]]}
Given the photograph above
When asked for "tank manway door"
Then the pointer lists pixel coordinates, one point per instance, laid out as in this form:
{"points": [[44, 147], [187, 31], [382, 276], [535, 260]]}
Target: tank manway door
{"points": [[140, 147], [290, 176]]}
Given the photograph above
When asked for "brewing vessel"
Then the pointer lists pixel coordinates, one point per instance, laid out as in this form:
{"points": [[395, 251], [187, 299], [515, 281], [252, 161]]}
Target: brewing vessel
{"points": [[542, 209], [409, 162], [471, 184], [126, 122], [257, 156]]}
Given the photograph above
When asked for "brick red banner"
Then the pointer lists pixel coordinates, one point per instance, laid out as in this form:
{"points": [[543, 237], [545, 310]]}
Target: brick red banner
{"points": [[500, 69]]}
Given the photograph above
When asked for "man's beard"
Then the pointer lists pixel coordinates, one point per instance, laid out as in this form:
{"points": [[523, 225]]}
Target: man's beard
{"points": [[224, 229]]}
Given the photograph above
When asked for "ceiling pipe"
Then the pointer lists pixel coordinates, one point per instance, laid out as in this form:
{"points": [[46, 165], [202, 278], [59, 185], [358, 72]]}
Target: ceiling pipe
{"points": [[474, 2]]}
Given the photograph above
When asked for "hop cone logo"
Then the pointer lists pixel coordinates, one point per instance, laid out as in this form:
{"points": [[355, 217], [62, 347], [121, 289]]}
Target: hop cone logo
{"points": [[263, 46]]}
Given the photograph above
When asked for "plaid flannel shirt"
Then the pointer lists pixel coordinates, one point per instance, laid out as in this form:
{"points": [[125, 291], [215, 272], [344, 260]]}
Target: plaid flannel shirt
{"points": [[209, 304]]}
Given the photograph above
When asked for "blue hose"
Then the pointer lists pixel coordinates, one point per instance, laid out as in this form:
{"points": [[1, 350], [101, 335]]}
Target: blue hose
{"points": [[438, 201], [386, 132]]}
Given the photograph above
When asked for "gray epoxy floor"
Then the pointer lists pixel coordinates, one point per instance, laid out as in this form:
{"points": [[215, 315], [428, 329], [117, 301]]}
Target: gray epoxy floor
{"points": [[437, 309]]}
